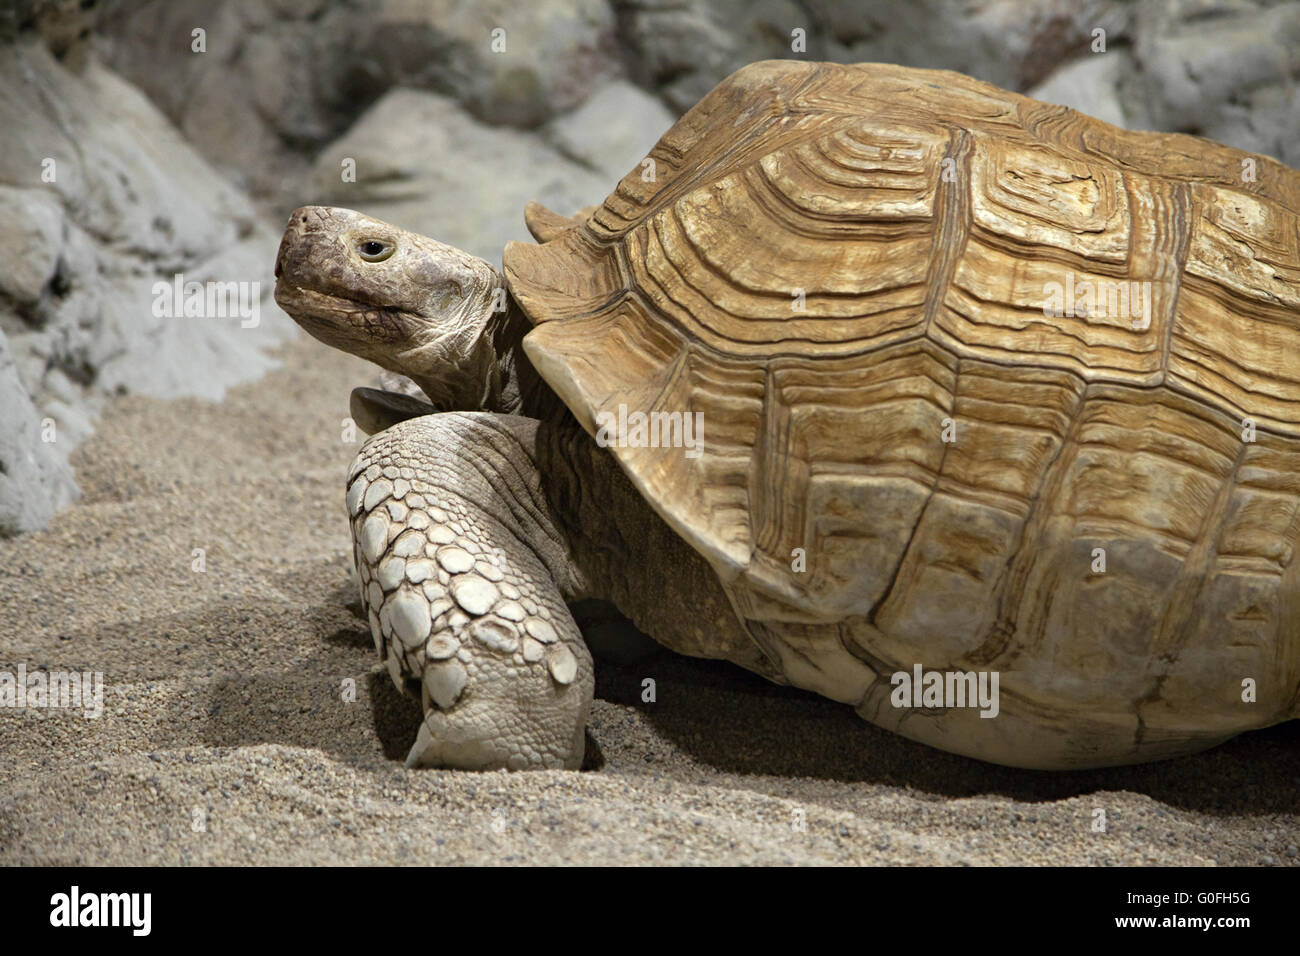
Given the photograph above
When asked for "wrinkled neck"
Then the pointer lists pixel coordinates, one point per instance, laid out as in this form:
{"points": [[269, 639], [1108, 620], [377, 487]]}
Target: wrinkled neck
{"points": [[478, 363], [522, 390]]}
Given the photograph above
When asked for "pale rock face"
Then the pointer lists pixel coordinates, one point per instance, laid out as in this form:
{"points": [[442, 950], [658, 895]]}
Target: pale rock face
{"points": [[1230, 77], [411, 145], [630, 122], [1090, 86], [31, 244], [34, 478], [82, 247], [449, 44], [685, 47]]}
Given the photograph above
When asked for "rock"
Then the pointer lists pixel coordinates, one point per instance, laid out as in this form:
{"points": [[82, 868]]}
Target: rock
{"points": [[1089, 85], [279, 81], [1015, 44], [613, 131], [260, 101], [423, 163], [508, 63], [35, 478], [30, 243], [684, 47], [62, 24], [257, 96], [1225, 69], [103, 201]]}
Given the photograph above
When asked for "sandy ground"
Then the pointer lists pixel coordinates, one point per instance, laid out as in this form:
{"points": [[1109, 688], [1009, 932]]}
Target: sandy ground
{"points": [[225, 738]]}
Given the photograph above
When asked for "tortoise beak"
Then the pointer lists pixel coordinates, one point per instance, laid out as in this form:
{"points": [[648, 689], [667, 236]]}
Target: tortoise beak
{"points": [[294, 231], [304, 224]]}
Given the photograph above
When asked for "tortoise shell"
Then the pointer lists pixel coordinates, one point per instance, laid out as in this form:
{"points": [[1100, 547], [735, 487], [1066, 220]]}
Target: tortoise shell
{"points": [[870, 280]]}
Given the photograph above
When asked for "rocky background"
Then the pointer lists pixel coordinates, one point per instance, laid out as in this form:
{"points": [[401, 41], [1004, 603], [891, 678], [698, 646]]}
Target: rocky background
{"points": [[130, 151]]}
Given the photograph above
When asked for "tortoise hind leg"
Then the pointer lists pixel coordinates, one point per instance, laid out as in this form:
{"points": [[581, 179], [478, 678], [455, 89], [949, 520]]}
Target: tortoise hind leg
{"points": [[463, 578]]}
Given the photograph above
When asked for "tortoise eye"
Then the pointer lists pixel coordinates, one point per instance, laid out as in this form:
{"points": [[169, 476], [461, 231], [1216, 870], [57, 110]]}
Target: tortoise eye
{"points": [[375, 250]]}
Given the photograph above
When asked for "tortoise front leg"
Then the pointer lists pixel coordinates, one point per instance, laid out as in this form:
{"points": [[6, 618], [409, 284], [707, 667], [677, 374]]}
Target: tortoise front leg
{"points": [[464, 578]]}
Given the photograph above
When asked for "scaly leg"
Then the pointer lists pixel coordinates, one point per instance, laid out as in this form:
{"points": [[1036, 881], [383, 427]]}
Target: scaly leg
{"points": [[464, 577]]}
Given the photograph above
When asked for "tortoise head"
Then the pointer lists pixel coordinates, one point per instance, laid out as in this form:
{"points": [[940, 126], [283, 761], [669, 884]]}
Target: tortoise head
{"points": [[404, 301]]}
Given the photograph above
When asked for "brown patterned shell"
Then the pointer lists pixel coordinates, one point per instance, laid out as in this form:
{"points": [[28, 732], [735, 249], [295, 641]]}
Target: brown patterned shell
{"points": [[923, 215]]}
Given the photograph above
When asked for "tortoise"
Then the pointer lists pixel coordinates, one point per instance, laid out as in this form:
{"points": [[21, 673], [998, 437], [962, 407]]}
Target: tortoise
{"points": [[972, 412]]}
